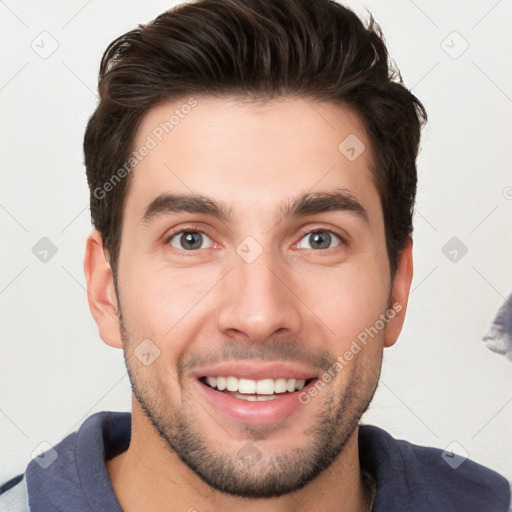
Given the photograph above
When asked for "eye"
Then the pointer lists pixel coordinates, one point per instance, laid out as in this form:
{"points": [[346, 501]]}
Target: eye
{"points": [[319, 240], [190, 240]]}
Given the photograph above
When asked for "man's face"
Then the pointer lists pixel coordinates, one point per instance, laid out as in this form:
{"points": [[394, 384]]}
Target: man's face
{"points": [[284, 266]]}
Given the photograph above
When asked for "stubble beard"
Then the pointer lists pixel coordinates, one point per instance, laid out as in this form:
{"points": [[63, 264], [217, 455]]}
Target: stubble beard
{"points": [[251, 471]]}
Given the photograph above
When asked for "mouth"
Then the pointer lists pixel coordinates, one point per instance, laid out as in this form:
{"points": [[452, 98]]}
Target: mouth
{"points": [[254, 392], [250, 390], [255, 395]]}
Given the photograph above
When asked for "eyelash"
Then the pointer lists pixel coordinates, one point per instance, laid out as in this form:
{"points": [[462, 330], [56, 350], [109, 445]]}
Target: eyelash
{"points": [[303, 233], [309, 231], [184, 231]]}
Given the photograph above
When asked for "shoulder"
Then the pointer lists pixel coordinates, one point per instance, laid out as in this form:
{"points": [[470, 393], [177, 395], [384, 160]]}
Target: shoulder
{"points": [[74, 472], [433, 478], [14, 496]]}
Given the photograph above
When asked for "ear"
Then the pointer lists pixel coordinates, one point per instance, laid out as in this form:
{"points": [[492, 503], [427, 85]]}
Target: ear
{"points": [[400, 294], [100, 291]]}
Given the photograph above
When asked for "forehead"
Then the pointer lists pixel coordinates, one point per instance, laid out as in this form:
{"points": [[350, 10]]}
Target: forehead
{"points": [[250, 155]]}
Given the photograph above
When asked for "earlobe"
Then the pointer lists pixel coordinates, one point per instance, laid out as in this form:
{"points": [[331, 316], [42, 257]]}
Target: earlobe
{"points": [[400, 294], [100, 290]]}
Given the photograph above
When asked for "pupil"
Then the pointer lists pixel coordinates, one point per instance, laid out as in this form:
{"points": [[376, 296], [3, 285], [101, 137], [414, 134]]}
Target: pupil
{"points": [[320, 240], [191, 240]]}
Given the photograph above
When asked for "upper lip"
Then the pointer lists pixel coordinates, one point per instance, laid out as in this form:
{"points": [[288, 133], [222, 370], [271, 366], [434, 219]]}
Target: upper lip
{"points": [[255, 371]]}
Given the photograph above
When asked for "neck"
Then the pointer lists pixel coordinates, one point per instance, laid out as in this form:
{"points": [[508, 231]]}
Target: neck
{"points": [[150, 476]]}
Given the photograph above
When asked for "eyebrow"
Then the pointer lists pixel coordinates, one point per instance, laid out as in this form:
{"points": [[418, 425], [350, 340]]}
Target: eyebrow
{"points": [[166, 204], [307, 204], [320, 202]]}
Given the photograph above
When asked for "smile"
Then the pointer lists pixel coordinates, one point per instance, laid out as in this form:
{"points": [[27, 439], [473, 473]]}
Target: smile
{"points": [[262, 401], [255, 390]]}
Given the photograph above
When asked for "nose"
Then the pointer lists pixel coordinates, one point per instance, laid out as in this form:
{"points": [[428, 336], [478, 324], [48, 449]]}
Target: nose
{"points": [[258, 301]]}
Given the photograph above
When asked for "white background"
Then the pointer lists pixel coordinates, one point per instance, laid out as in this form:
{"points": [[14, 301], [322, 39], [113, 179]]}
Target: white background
{"points": [[440, 384]]}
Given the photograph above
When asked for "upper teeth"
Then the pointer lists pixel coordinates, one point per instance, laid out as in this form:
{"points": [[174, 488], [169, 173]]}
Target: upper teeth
{"points": [[260, 387]]}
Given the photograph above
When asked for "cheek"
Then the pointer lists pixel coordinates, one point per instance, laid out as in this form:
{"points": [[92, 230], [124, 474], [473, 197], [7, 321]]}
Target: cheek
{"points": [[158, 303], [158, 308], [347, 300]]}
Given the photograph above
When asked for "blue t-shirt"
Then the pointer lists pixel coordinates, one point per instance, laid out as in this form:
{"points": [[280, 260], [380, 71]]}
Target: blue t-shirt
{"points": [[409, 477]]}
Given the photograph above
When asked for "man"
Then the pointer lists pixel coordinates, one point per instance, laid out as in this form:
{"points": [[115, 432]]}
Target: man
{"points": [[252, 167]]}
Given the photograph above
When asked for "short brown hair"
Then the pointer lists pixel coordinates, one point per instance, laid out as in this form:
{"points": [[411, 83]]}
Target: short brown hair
{"points": [[259, 49]]}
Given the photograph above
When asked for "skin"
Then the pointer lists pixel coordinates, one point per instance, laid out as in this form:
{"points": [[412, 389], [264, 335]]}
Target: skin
{"points": [[294, 300]]}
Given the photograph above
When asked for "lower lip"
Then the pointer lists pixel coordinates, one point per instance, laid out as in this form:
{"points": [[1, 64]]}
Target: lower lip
{"points": [[253, 413]]}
